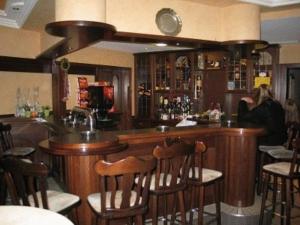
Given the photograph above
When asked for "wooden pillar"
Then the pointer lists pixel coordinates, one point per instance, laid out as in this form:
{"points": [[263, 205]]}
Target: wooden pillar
{"points": [[58, 79]]}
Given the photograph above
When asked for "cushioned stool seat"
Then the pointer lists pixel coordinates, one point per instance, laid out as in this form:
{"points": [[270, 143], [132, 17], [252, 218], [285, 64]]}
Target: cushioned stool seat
{"points": [[95, 200], [57, 201], [208, 175]]}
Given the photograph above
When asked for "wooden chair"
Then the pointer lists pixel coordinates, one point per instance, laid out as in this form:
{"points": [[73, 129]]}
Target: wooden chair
{"points": [[7, 144], [27, 185], [124, 189], [277, 152], [199, 178], [173, 164], [287, 172]]}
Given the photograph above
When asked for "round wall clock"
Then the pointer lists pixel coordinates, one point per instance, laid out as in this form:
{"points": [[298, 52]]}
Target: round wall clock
{"points": [[168, 22]]}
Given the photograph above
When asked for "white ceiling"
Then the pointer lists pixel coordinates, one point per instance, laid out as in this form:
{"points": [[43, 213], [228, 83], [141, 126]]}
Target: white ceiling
{"points": [[16, 12]]}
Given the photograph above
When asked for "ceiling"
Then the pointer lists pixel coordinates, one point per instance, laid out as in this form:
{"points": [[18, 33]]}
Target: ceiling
{"points": [[35, 14]]}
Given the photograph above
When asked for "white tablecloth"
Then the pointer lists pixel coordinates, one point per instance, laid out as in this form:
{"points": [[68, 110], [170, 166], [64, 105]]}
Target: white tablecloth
{"points": [[25, 215]]}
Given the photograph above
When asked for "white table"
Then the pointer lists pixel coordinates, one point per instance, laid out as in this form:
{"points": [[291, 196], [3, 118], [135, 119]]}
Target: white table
{"points": [[25, 215]]}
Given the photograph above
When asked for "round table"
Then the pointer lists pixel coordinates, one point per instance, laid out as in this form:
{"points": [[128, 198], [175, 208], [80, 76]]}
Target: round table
{"points": [[26, 215]]}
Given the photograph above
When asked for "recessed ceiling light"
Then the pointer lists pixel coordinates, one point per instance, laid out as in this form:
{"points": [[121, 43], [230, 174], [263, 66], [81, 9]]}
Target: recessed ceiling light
{"points": [[161, 44]]}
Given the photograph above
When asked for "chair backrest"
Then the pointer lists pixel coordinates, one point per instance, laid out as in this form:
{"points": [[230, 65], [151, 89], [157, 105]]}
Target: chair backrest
{"points": [[173, 164], [24, 179], [197, 163], [128, 182], [295, 164], [292, 133], [6, 137]]}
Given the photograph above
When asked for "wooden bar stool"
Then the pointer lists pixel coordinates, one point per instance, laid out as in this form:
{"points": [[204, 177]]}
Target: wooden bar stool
{"points": [[173, 164], [199, 178], [276, 152], [124, 189], [287, 172], [7, 147], [27, 185]]}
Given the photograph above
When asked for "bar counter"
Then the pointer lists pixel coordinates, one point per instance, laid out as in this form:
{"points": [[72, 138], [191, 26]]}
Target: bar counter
{"points": [[231, 149]]}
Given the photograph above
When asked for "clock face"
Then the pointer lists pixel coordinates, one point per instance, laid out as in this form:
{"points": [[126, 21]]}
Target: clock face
{"points": [[168, 22]]}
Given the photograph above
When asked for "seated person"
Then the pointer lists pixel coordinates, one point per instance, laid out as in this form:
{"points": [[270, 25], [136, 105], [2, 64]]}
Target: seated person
{"points": [[267, 112]]}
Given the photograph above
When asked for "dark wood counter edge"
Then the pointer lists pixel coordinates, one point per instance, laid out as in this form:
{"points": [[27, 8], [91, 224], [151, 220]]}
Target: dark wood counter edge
{"points": [[130, 136], [146, 136], [44, 146]]}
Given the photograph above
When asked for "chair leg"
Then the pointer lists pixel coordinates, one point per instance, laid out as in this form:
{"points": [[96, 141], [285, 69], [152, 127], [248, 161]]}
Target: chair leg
{"points": [[274, 195], [283, 200], [181, 207], [154, 210], [201, 205], [288, 202], [104, 222], [260, 173], [218, 202], [173, 216], [165, 210], [192, 204], [3, 189], [264, 198], [139, 220]]}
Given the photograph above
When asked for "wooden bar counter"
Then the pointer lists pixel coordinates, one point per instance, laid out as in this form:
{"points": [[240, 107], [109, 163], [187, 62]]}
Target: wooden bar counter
{"points": [[231, 150]]}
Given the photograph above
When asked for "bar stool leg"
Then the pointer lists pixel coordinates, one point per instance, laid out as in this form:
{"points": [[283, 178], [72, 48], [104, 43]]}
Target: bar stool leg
{"points": [[283, 200], [264, 198], [275, 183], [182, 208], [260, 173], [218, 203], [139, 220], [192, 203], [154, 212], [201, 205], [173, 216], [288, 202]]}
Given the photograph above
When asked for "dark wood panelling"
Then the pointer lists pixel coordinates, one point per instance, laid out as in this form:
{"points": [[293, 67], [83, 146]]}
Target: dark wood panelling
{"points": [[15, 64]]}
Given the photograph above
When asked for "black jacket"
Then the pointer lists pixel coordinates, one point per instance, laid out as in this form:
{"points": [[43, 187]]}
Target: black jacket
{"points": [[269, 114]]}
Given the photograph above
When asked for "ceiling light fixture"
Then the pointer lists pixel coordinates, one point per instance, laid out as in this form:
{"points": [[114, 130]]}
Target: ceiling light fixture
{"points": [[272, 3]]}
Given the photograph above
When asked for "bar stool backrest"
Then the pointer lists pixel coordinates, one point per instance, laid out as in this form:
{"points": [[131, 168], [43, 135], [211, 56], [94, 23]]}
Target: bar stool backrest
{"points": [[295, 164], [197, 163], [173, 164], [292, 133], [6, 137], [128, 182], [24, 179]]}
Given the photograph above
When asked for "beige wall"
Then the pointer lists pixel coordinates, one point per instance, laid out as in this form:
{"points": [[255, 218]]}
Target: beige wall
{"points": [[11, 81], [19, 43], [198, 21], [289, 53]]}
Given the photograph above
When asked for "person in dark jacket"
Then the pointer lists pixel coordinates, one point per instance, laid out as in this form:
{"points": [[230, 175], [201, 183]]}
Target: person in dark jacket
{"points": [[268, 113]]}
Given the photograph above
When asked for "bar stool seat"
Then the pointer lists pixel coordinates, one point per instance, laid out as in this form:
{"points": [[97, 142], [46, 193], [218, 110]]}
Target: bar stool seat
{"points": [[19, 151], [280, 168], [57, 200], [279, 154], [208, 175], [95, 200]]}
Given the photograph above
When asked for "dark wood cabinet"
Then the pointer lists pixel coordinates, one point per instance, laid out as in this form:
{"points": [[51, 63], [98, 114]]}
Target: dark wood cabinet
{"points": [[204, 76]]}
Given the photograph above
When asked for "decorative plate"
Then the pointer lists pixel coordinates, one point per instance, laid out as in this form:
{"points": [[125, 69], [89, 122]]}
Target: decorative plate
{"points": [[168, 22]]}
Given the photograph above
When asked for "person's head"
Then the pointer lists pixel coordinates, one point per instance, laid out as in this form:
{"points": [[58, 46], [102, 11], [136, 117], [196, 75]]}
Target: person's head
{"points": [[262, 94]]}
